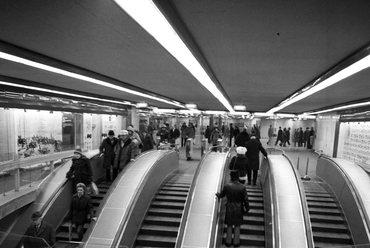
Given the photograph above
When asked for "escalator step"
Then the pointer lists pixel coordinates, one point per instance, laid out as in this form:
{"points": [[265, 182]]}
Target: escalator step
{"points": [[170, 198], [250, 240], [165, 212], [181, 189], [253, 220], [173, 193], [256, 205], [325, 211], [256, 212], [320, 199], [65, 236], [328, 227], [159, 230], [252, 229], [326, 219], [255, 199], [156, 241], [322, 204], [325, 237], [178, 185], [161, 220], [331, 245], [170, 205], [319, 195]]}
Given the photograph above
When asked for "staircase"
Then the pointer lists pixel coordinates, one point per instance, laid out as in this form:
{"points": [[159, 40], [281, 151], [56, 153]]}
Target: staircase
{"points": [[328, 224], [160, 226], [252, 231], [63, 234]]}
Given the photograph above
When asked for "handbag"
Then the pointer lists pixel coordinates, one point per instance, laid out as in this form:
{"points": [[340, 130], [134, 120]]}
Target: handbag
{"points": [[94, 189]]}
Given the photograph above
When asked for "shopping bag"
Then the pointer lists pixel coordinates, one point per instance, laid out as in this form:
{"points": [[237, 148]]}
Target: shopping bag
{"points": [[70, 231]]}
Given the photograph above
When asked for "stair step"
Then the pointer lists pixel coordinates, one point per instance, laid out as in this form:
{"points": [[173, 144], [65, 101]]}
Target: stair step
{"points": [[172, 193], [326, 219], [65, 236], [177, 189], [156, 241], [170, 198], [253, 220], [322, 204], [252, 229], [250, 240], [320, 199], [169, 205], [326, 211]]}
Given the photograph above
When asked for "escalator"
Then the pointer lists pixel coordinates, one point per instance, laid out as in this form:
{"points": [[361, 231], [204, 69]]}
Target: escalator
{"points": [[329, 225], [161, 224], [62, 233], [252, 231]]}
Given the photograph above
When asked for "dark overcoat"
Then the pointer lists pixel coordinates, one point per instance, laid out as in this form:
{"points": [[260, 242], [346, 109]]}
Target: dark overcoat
{"points": [[239, 163], [107, 147], [237, 196], [80, 208], [81, 168], [254, 147], [147, 143], [124, 154], [34, 238]]}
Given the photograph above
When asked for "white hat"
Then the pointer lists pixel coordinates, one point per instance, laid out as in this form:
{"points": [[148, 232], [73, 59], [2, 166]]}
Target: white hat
{"points": [[123, 132], [129, 128], [241, 150]]}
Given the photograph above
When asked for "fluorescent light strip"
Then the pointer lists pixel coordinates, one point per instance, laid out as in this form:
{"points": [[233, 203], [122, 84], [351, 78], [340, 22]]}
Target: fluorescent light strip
{"points": [[63, 93], [151, 19], [346, 72], [81, 77], [355, 105]]}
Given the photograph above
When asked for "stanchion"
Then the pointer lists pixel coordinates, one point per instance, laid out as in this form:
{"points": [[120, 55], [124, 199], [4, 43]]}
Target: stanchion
{"points": [[203, 147], [306, 177]]}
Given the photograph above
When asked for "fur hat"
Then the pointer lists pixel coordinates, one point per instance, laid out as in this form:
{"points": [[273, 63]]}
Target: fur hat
{"points": [[78, 150], [110, 132], [123, 132], [129, 128], [241, 150]]}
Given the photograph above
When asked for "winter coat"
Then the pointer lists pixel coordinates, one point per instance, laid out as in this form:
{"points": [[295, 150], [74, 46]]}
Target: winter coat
{"points": [[280, 134], [240, 163], [215, 135], [242, 139], [174, 133], [46, 232], [147, 143], [183, 131], [237, 195], [207, 135], [81, 169], [236, 132], [107, 148], [190, 132], [164, 134], [123, 151], [79, 209], [254, 147]]}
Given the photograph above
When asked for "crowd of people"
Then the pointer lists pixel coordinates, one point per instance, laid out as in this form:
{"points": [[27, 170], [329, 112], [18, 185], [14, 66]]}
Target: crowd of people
{"points": [[299, 137]]}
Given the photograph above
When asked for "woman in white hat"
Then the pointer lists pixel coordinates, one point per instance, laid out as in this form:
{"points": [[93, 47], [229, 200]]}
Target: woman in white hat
{"points": [[240, 163], [123, 151]]}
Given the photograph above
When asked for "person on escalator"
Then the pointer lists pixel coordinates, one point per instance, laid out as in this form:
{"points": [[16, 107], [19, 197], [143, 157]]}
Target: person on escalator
{"points": [[80, 169], [107, 150], [38, 233], [237, 204], [81, 210], [124, 152], [240, 163], [254, 147]]}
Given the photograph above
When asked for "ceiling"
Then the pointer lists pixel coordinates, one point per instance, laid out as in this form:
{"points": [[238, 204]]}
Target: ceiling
{"points": [[258, 53]]}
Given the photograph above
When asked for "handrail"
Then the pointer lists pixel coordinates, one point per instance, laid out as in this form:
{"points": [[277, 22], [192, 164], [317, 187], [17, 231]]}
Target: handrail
{"points": [[357, 196], [273, 149], [305, 211]]}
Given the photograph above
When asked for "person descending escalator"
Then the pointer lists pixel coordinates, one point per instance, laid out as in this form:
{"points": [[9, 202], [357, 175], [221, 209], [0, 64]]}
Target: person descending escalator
{"points": [[237, 203]]}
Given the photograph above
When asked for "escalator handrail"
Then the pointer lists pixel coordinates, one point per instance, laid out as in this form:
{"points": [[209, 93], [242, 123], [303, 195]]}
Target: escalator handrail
{"points": [[305, 210], [356, 194]]}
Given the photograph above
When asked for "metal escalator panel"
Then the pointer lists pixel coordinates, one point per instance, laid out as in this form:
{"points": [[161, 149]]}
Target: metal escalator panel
{"points": [[62, 234], [329, 225], [252, 230], [161, 224]]}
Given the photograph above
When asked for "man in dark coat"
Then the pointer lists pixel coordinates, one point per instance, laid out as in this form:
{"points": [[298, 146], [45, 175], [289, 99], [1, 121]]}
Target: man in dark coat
{"points": [[38, 233], [174, 134], [306, 137], [123, 151], [81, 169], [231, 134], [236, 133], [81, 209], [207, 134], [301, 137], [254, 147], [242, 138], [279, 137], [107, 150], [148, 143], [237, 202]]}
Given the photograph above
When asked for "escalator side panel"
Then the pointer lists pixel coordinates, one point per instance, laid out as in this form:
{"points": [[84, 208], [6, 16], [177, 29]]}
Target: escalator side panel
{"points": [[350, 184]]}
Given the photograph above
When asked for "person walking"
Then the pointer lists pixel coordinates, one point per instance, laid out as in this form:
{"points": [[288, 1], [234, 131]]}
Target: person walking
{"points": [[123, 151], [279, 136], [107, 150], [254, 147], [306, 137], [310, 138], [81, 169], [270, 134], [174, 135], [38, 233], [301, 137], [183, 134], [240, 163], [81, 210], [231, 134], [237, 204], [207, 134], [215, 136], [236, 133]]}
